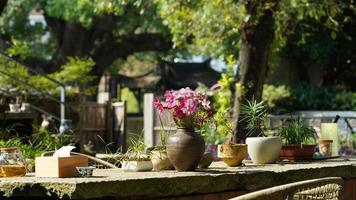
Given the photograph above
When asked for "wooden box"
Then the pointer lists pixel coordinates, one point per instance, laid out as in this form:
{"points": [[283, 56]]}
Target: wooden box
{"points": [[59, 167]]}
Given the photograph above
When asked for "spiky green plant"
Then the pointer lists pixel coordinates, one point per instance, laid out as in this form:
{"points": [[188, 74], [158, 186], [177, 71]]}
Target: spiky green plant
{"points": [[136, 151], [296, 132], [254, 113]]}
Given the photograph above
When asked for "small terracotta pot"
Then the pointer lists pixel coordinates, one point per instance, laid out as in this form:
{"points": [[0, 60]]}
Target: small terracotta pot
{"points": [[185, 149], [232, 154], [296, 152], [326, 147]]}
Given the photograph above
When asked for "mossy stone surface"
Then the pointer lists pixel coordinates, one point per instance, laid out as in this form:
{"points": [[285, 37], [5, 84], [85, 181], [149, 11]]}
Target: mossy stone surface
{"points": [[217, 178]]}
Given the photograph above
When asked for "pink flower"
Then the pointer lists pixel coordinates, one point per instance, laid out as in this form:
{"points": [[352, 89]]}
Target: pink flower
{"points": [[186, 105], [215, 87], [157, 103]]}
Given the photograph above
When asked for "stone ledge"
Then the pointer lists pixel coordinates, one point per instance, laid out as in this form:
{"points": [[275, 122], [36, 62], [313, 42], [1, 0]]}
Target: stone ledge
{"points": [[218, 178]]}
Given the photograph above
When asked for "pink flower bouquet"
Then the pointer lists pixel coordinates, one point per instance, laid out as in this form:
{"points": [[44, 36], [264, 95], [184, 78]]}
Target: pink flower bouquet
{"points": [[189, 108]]}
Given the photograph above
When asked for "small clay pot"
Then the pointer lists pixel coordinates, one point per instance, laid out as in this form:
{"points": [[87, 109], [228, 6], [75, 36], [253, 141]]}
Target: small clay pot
{"points": [[160, 160], [325, 146], [206, 160], [185, 149], [232, 154], [297, 152]]}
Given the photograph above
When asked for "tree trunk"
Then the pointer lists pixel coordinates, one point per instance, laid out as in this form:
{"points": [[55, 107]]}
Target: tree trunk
{"points": [[256, 37], [2, 5]]}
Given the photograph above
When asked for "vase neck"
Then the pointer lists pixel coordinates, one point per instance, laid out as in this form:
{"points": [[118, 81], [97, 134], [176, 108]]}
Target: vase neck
{"points": [[185, 129]]}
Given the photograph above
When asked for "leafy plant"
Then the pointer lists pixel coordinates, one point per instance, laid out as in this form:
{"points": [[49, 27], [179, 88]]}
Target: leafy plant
{"points": [[254, 113], [136, 151], [284, 98], [217, 129], [36, 144], [296, 132]]}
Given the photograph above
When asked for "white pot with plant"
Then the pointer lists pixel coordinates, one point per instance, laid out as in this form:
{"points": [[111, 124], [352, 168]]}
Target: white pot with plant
{"points": [[262, 149], [135, 159]]}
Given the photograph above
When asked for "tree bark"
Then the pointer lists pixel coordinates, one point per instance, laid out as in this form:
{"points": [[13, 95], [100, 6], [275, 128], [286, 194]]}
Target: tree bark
{"points": [[2, 5], [256, 37]]}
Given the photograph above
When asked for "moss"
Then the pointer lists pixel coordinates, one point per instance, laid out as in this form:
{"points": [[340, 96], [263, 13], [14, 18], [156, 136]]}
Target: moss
{"points": [[8, 188], [60, 189]]}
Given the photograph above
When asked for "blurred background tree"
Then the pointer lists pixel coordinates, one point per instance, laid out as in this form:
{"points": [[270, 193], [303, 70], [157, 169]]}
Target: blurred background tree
{"points": [[103, 30]]}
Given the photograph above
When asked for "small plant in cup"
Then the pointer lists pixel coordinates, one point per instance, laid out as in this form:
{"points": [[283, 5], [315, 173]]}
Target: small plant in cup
{"points": [[135, 159]]}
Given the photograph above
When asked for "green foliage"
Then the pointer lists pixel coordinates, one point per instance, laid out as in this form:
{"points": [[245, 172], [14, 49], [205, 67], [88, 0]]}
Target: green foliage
{"points": [[274, 94], [296, 132], [129, 97], [308, 97], [213, 27], [254, 113], [135, 152], [38, 143], [139, 16], [220, 126], [74, 73], [208, 27]]}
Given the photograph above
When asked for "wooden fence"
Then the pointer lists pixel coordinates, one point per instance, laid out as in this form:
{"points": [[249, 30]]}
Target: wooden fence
{"points": [[102, 126]]}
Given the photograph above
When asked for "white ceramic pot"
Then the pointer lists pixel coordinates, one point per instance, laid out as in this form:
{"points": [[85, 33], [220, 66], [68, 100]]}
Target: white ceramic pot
{"points": [[14, 107], [25, 107], [263, 150], [137, 166]]}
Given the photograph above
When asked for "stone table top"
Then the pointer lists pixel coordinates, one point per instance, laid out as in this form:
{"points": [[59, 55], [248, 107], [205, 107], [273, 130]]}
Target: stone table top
{"points": [[217, 178]]}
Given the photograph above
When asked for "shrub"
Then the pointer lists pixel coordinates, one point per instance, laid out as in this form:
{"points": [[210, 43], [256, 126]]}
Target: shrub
{"points": [[307, 97]]}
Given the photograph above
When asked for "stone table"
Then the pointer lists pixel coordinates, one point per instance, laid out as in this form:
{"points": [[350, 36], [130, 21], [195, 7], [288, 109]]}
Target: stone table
{"points": [[216, 182]]}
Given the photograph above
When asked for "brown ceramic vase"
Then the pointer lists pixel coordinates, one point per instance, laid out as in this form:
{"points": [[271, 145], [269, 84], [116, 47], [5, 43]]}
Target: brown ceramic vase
{"points": [[185, 149]]}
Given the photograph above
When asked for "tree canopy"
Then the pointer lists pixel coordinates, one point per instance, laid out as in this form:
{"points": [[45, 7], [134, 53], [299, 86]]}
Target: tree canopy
{"points": [[101, 29]]}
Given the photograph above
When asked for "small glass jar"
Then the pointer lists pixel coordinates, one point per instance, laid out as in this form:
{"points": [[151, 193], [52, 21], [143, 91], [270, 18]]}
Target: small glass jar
{"points": [[12, 163]]}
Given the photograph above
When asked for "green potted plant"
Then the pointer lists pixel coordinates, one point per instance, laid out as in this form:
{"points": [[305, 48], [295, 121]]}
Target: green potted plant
{"points": [[262, 149], [296, 134], [135, 159]]}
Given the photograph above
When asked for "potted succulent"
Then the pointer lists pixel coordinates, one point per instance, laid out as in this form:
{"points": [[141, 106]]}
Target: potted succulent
{"points": [[296, 134], [135, 159], [190, 110], [262, 149]]}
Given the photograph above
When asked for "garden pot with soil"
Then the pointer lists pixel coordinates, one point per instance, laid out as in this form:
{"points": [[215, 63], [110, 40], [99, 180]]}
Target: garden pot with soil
{"points": [[232, 154], [297, 152]]}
